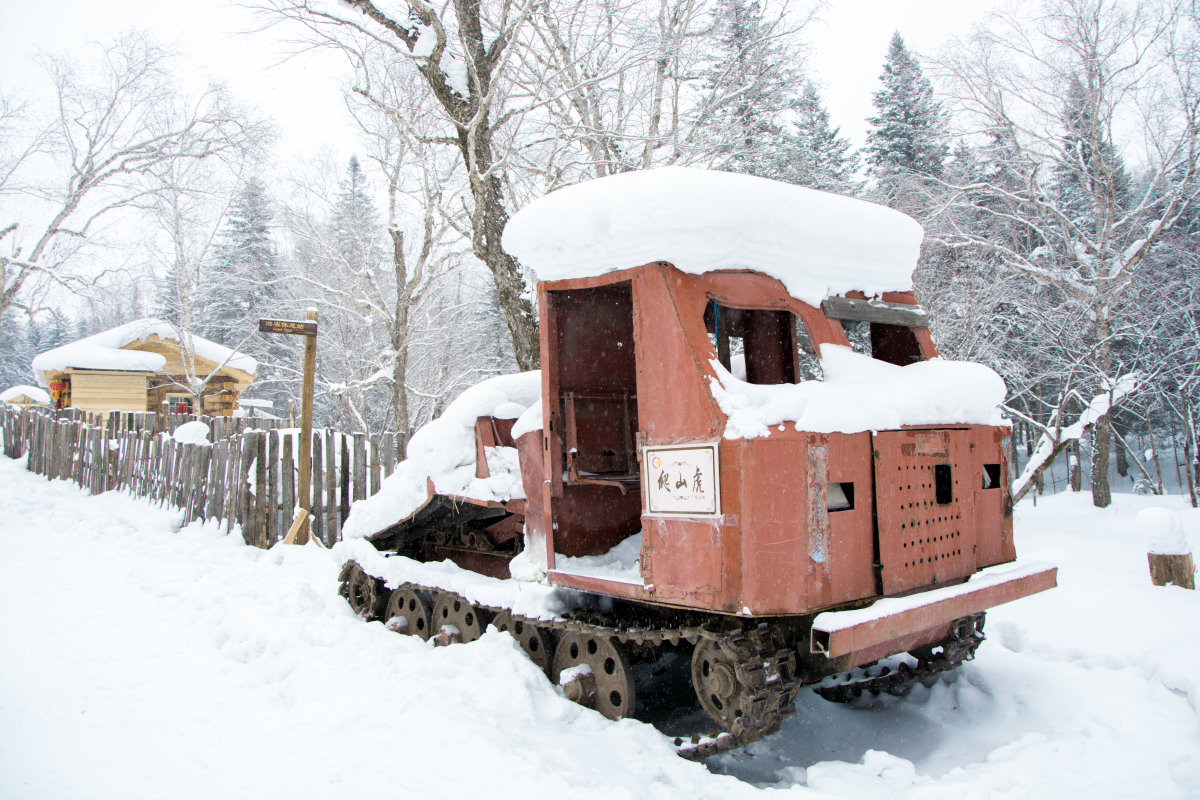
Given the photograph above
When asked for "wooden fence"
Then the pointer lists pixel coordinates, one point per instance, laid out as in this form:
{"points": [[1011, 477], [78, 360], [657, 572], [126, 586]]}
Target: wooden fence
{"points": [[247, 475]]}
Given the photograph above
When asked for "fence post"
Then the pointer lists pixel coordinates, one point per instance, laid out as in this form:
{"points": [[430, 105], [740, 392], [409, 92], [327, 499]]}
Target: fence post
{"points": [[316, 485]]}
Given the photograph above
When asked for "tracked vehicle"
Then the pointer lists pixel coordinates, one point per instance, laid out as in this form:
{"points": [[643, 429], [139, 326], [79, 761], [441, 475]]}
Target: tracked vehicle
{"points": [[740, 458]]}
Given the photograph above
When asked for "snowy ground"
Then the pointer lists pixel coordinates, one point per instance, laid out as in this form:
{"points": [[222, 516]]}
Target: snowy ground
{"points": [[142, 661]]}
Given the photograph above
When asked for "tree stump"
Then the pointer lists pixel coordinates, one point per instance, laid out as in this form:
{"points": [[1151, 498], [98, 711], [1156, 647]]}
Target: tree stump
{"points": [[1178, 569]]}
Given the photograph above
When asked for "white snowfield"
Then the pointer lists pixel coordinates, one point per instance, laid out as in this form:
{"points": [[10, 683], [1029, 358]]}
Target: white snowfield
{"points": [[103, 351], [818, 244], [141, 661]]}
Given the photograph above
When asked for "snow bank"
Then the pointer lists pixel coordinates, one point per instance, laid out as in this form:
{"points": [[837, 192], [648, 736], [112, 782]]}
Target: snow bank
{"points": [[860, 393], [817, 244], [444, 451], [530, 599], [194, 432], [621, 563], [1163, 531], [103, 351], [1087, 691], [34, 393]]}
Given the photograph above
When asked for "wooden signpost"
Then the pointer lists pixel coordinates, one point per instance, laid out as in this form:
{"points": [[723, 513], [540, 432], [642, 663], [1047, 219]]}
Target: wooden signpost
{"points": [[307, 329]]}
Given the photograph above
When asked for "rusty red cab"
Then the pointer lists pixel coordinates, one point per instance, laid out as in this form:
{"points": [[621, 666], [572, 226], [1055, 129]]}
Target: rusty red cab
{"points": [[782, 457]]}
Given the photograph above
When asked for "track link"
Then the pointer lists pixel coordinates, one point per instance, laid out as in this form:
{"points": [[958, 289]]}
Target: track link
{"points": [[948, 655], [762, 660]]}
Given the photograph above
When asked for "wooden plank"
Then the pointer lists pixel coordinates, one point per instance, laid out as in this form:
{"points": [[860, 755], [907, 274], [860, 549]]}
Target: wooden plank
{"points": [[273, 510], [360, 466], [261, 492], [332, 526], [875, 311], [317, 506], [376, 467], [287, 500], [344, 494], [97, 454], [389, 454]]}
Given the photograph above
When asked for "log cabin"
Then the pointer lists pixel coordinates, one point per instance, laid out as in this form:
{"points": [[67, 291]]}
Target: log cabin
{"points": [[145, 365]]}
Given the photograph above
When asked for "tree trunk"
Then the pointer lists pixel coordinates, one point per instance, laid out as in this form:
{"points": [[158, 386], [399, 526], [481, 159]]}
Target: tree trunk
{"points": [[1121, 426], [1191, 462], [1101, 493], [400, 344], [1074, 467]]}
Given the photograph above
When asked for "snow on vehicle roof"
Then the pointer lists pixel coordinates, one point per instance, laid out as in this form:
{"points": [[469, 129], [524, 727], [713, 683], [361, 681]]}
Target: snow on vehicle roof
{"points": [[104, 351], [817, 244], [443, 451]]}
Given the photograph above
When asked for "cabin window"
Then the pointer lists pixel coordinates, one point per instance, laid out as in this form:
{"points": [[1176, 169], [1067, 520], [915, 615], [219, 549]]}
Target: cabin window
{"points": [[179, 405], [756, 345]]}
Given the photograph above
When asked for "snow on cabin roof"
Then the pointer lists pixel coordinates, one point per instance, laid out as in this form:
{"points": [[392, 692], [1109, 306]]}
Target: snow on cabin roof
{"points": [[104, 350], [34, 393], [818, 244]]}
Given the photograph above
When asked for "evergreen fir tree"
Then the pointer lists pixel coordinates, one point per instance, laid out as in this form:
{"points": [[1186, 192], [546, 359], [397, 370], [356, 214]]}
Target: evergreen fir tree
{"points": [[355, 223], [821, 158], [908, 134], [751, 87], [239, 285], [242, 285], [1089, 169]]}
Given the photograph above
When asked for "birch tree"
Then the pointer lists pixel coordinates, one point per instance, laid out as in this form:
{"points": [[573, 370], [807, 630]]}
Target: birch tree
{"points": [[1061, 93], [462, 52], [114, 122]]}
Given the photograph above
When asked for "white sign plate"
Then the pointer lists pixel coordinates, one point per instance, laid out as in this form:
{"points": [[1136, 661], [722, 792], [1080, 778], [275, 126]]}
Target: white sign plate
{"points": [[682, 480]]}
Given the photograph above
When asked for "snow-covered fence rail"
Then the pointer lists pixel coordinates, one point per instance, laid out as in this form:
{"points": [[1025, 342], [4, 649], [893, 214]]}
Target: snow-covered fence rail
{"points": [[246, 478]]}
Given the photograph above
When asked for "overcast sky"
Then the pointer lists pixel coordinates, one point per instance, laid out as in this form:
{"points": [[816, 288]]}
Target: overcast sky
{"points": [[302, 93]]}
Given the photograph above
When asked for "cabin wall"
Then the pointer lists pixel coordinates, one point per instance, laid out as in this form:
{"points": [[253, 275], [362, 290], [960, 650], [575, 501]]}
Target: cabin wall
{"points": [[103, 391]]}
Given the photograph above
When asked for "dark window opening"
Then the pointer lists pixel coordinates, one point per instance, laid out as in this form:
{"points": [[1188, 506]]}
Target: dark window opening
{"points": [[895, 344], [840, 496], [763, 341], [991, 476], [943, 484]]}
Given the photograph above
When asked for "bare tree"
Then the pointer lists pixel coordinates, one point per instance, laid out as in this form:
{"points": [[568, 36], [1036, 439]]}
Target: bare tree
{"points": [[1057, 95], [462, 52], [111, 129]]}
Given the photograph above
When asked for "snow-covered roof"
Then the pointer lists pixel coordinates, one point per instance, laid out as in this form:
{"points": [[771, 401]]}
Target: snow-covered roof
{"points": [[34, 393], [105, 350], [817, 244]]}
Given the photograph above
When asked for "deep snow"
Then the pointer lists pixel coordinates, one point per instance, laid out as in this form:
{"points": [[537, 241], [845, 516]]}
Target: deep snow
{"points": [[143, 661], [817, 244]]}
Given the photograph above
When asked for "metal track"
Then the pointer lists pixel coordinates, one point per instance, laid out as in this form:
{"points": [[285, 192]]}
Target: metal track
{"points": [[764, 662], [965, 638]]}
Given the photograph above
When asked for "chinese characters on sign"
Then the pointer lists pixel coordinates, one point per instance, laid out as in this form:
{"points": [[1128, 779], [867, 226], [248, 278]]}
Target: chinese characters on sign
{"points": [[287, 326], [681, 480]]}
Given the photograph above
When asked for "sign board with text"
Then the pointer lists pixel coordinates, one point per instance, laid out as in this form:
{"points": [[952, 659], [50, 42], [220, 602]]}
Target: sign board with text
{"points": [[287, 326], [681, 480]]}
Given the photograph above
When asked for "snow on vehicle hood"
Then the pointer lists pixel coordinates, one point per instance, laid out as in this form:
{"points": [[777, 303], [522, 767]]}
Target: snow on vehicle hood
{"points": [[818, 244], [443, 451], [860, 393]]}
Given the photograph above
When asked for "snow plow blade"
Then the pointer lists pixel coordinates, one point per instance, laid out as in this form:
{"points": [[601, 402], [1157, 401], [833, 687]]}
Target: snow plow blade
{"points": [[839, 633]]}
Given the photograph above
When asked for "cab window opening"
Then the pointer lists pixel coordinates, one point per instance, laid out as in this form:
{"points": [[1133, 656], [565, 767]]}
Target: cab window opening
{"points": [[757, 345]]}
